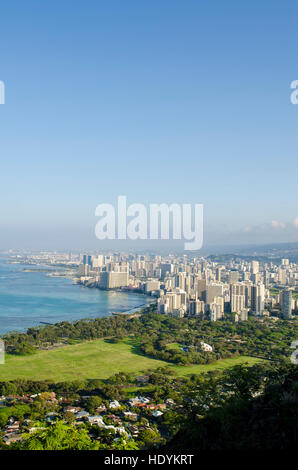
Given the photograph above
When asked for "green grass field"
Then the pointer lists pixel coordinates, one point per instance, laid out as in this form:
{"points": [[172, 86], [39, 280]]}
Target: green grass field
{"points": [[222, 364], [95, 359]]}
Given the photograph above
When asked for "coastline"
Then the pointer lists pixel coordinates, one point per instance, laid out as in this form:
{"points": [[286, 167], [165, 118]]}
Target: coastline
{"points": [[32, 301], [120, 291]]}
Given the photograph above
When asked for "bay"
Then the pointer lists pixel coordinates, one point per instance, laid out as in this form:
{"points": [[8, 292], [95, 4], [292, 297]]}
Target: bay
{"points": [[29, 298]]}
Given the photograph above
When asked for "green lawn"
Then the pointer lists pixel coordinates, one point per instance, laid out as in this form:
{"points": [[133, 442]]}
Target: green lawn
{"points": [[175, 346], [94, 359], [222, 364]]}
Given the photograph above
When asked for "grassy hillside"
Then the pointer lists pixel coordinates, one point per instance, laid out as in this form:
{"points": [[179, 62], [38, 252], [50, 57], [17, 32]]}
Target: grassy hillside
{"points": [[222, 364], [95, 359]]}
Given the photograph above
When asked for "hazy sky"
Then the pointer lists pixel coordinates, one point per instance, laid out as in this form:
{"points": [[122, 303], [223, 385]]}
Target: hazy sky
{"points": [[161, 101]]}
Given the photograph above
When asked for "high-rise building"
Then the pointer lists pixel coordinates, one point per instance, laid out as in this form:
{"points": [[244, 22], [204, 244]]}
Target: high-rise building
{"points": [[87, 259], [286, 301], [152, 285], [237, 289], [233, 276], [166, 268], [257, 299], [113, 279], [282, 276], [218, 274], [266, 278], [237, 303], [97, 261], [254, 267], [256, 278], [201, 289], [180, 279], [213, 290], [196, 307], [178, 312], [171, 301], [244, 314], [213, 316], [216, 308]]}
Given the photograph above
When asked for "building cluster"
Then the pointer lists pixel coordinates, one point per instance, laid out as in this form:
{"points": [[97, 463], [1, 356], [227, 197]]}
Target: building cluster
{"points": [[120, 418], [198, 287], [50, 258]]}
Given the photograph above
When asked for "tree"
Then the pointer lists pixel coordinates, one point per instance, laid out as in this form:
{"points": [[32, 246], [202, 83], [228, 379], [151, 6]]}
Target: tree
{"points": [[17, 411], [69, 417], [92, 403], [149, 438], [59, 436], [9, 389], [124, 444]]}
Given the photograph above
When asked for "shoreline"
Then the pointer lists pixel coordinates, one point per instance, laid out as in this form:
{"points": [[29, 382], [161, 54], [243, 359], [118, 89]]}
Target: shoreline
{"points": [[119, 291], [44, 271]]}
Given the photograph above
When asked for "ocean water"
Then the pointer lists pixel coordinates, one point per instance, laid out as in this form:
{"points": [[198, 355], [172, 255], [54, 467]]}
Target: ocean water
{"points": [[29, 298]]}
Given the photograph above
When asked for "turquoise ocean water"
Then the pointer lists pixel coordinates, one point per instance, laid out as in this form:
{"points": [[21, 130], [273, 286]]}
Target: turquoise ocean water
{"points": [[29, 298]]}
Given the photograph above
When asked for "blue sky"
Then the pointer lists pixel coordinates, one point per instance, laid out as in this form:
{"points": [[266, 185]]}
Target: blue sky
{"points": [[162, 101]]}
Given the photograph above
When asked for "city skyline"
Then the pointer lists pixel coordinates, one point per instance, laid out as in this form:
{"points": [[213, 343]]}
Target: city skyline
{"points": [[186, 285]]}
